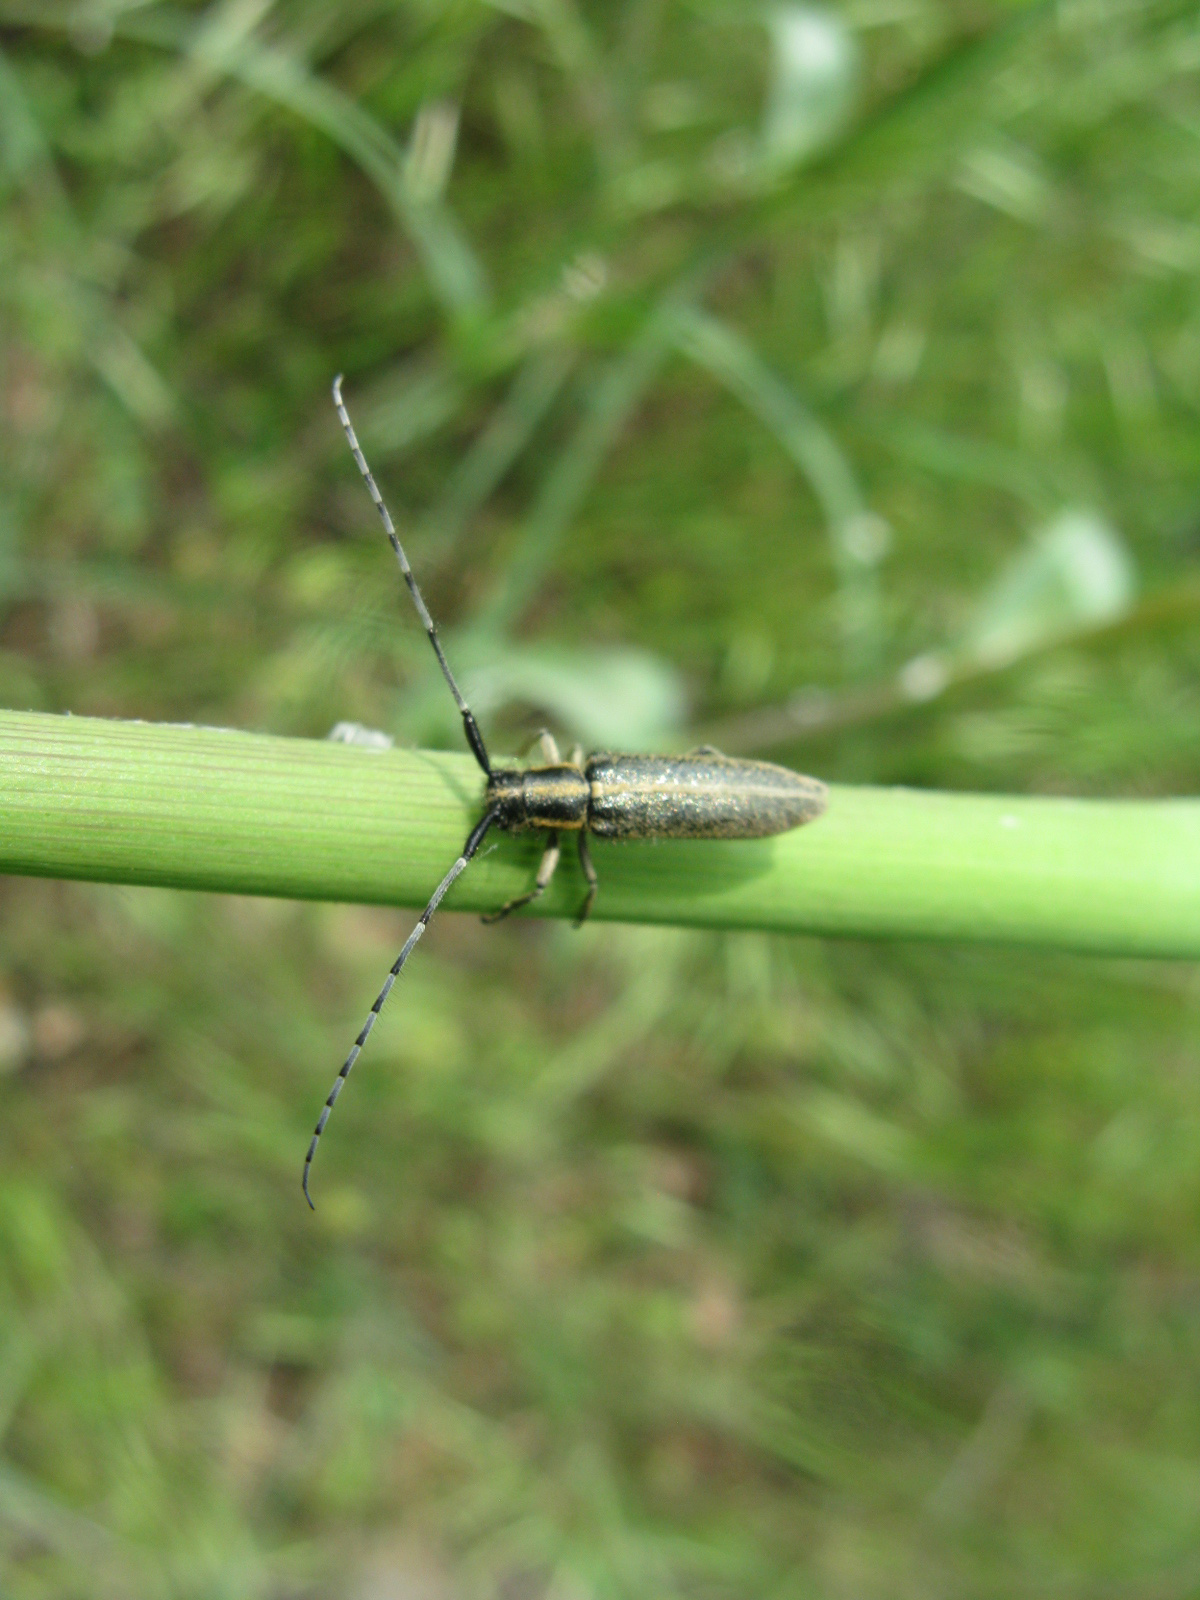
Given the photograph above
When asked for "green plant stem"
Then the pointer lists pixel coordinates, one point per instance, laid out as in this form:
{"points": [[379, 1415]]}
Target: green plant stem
{"points": [[203, 808]]}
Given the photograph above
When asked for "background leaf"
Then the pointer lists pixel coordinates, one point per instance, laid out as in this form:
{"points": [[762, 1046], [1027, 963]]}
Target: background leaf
{"points": [[1075, 572], [814, 80]]}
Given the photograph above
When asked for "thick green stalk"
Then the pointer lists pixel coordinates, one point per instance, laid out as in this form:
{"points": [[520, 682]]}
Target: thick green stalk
{"points": [[201, 808]]}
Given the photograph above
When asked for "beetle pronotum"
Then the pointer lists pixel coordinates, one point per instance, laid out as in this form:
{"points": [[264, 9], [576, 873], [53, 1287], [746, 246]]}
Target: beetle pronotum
{"points": [[701, 795]]}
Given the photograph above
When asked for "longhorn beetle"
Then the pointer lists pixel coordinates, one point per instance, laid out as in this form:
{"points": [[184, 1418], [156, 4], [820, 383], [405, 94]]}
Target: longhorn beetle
{"points": [[701, 795]]}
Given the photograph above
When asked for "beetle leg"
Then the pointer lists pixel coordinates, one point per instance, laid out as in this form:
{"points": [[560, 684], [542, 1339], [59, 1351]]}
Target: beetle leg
{"points": [[545, 873], [589, 872], [575, 759], [545, 739]]}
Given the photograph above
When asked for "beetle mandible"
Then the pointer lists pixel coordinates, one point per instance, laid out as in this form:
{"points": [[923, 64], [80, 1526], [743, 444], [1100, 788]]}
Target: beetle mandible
{"points": [[701, 795]]}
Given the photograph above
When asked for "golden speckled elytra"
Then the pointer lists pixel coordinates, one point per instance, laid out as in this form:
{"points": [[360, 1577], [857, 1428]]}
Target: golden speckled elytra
{"points": [[701, 795]]}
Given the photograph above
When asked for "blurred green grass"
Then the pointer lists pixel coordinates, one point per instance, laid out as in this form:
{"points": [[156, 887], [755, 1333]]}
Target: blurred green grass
{"points": [[709, 358]]}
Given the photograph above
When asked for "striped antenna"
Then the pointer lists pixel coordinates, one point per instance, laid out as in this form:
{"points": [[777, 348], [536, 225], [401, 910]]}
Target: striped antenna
{"points": [[470, 726], [468, 850], [478, 749]]}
